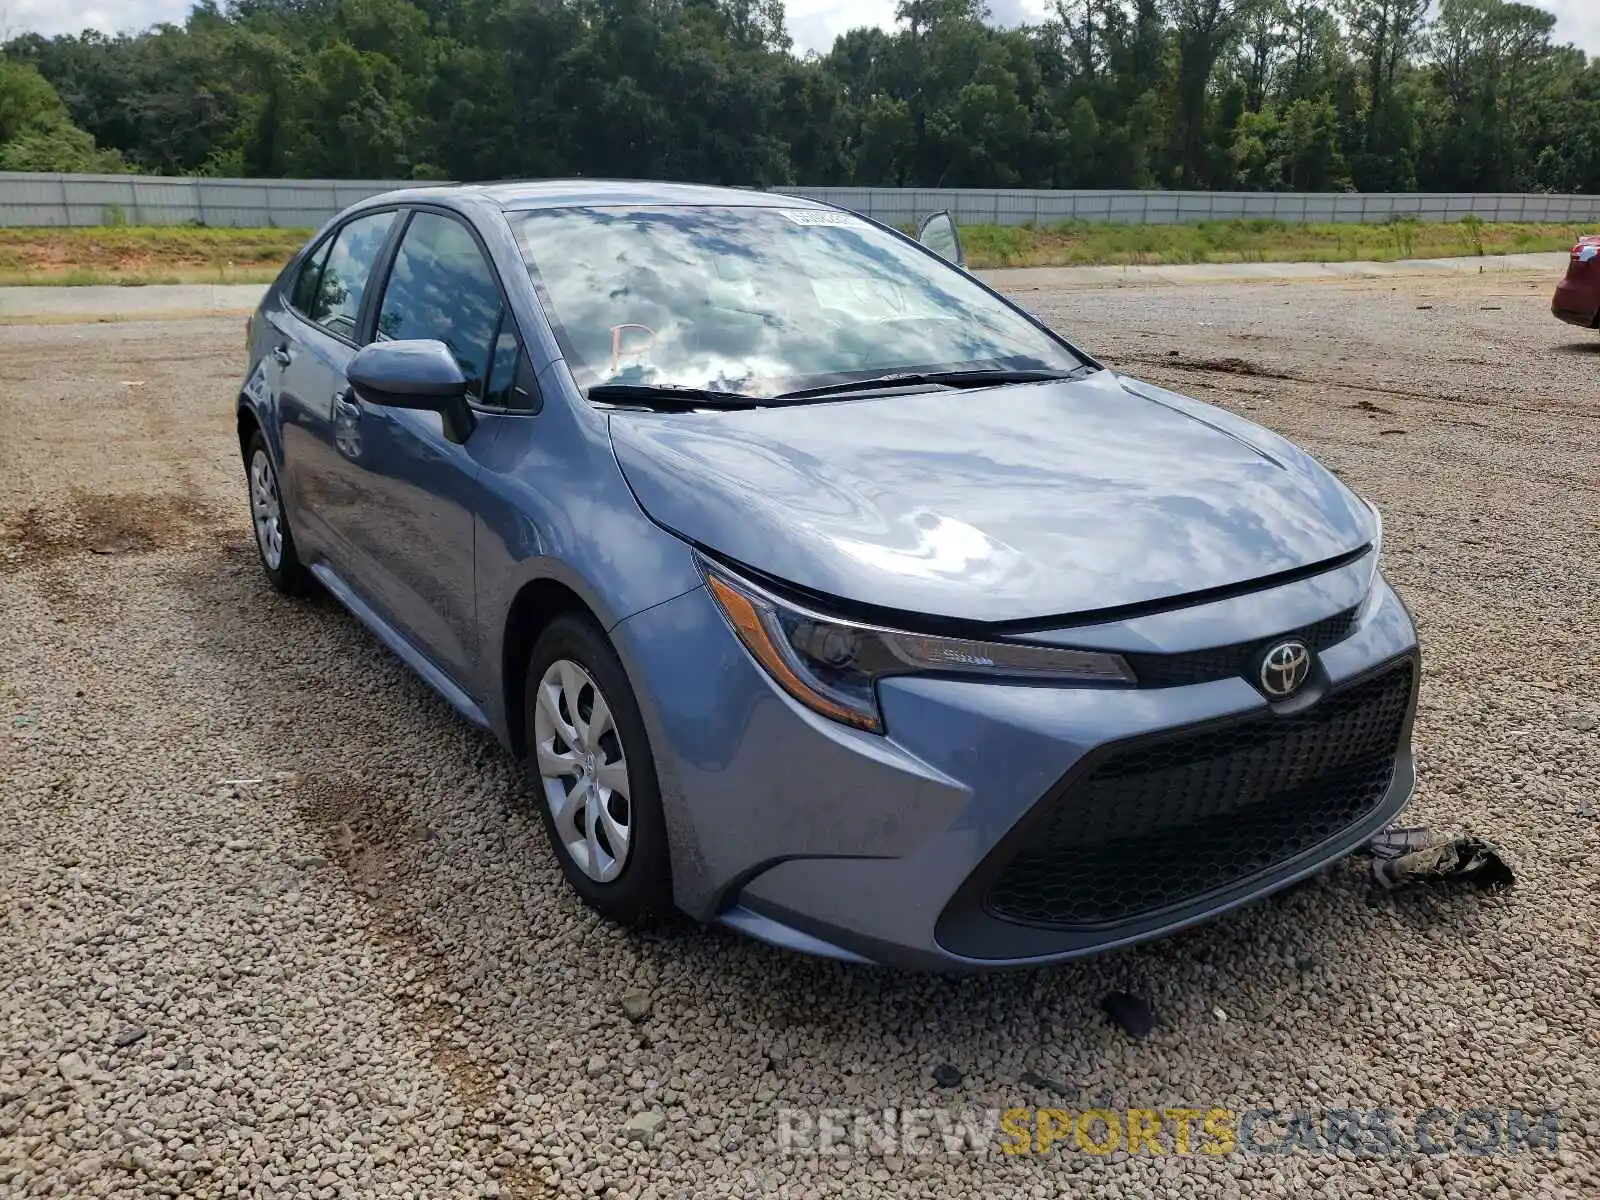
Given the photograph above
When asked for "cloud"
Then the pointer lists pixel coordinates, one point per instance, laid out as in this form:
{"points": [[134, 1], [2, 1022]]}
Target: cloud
{"points": [[812, 23], [1578, 22], [108, 16], [1008, 14], [815, 23]]}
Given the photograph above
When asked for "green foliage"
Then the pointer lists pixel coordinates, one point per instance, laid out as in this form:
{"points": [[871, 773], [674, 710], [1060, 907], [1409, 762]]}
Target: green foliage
{"points": [[1402, 228], [36, 133], [1295, 150], [225, 162], [1303, 95], [27, 101], [1081, 243]]}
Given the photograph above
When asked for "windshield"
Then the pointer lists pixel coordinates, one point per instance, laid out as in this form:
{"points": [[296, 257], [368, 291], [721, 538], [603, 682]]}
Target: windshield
{"points": [[760, 300]]}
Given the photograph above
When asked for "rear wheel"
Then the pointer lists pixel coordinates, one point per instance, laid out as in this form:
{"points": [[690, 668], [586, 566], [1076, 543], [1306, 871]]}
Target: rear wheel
{"points": [[598, 793], [274, 540]]}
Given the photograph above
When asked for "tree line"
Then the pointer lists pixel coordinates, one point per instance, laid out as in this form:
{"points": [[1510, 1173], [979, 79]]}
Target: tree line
{"points": [[1371, 95]]}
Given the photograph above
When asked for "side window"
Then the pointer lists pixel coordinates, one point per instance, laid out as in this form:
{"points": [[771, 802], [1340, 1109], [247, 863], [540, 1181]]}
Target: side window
{"points": [[305, 284], [337, 303], [501, 390], [442, 288]]}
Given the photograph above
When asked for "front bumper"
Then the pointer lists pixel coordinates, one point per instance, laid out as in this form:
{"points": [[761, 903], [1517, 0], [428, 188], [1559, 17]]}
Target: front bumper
{"points": [[832, 841]]}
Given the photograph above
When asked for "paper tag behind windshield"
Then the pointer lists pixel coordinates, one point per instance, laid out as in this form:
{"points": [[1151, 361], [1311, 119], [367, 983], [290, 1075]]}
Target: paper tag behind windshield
{"points": [[822, 216]]}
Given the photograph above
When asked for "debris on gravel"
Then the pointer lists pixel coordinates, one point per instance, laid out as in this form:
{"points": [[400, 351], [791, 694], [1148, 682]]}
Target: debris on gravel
{"points": [[1129, 1013], [72, 1067], [1043, 1082], [386, 990], [1447, 860], [636, 1004], [642, 1126]]}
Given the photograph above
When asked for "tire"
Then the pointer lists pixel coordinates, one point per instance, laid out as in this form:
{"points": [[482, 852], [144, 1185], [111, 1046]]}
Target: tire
{"points": [[269, 521], [623, 870]]}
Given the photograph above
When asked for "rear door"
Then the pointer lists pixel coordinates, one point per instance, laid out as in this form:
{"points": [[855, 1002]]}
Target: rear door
{"points": [[314, 337], [416, 492]]}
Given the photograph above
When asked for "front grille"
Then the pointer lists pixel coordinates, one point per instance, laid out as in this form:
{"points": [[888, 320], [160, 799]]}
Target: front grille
{"points": [[1164, 821], [1223, 662]]}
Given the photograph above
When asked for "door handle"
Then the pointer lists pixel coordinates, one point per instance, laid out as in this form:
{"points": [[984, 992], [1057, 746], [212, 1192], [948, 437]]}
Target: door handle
{"points": [[281, 355]]}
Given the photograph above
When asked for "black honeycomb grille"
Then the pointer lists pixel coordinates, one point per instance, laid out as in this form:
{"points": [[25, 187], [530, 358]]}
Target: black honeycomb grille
{"points": [[1162, 823], [1223, 662]]}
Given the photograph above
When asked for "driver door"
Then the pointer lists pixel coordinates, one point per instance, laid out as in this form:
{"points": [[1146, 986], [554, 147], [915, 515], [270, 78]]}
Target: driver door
{"points": [[413, 530]]}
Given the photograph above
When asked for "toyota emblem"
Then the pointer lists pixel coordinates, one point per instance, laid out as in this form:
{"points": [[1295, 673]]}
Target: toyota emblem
{"points": [[1284, 668]]}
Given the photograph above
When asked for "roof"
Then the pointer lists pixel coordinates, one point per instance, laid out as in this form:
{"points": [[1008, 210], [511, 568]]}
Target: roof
{"points": [[564, 193]]}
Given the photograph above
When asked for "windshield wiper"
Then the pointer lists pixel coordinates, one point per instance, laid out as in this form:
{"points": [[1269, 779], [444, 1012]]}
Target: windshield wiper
{"points": [[956, 379], [679, 396], [666, 395]]}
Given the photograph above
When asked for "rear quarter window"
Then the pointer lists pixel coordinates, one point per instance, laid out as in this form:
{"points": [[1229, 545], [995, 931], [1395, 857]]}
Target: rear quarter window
{"points": [[302, 295], [334, 301]]}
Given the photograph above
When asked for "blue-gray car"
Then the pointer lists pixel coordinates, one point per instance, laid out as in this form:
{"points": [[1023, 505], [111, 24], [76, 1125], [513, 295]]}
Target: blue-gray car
{"points": [[826, 593]]}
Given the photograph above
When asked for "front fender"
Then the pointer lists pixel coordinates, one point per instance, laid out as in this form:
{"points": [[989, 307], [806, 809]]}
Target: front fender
{"points": [[557, 508]]}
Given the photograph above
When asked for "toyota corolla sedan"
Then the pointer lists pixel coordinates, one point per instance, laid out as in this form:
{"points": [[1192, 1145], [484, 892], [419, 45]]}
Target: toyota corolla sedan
{"points": [[826, 593]]}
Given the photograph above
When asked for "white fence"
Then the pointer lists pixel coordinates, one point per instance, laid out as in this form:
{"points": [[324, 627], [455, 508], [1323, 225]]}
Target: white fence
{"points": [[1020, 206], [40, 199], [27, 198]]}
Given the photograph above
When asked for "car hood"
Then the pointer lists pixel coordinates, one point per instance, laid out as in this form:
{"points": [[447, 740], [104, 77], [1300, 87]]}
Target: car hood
{"points": [[999, 504]]}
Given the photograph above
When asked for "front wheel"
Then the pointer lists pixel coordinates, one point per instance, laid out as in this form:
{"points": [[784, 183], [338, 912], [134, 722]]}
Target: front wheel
{"points": [[598, 793], [274, 541]]}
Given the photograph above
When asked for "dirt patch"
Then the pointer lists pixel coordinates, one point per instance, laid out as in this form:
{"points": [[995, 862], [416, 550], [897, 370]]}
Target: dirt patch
{"points": [[372, 837], [1581, 409], [1229, 365], [132, 248], [68, 602], [367, 832], [106, 524]]}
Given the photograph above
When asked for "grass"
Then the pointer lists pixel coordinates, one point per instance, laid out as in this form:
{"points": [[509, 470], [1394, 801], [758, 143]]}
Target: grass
{"points": [[137, 256], [1081, 243]]}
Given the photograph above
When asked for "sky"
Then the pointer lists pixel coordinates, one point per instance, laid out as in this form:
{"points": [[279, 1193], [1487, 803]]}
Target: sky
{"points": [[815, 23], [812, 23]]}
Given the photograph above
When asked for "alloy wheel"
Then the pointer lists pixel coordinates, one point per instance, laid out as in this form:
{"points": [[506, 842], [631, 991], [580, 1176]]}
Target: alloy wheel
{"points": [[266, 509], [583, 769]]}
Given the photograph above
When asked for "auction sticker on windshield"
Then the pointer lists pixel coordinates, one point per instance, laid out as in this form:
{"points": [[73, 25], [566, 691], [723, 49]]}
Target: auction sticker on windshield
{"points": [[810, 216]]}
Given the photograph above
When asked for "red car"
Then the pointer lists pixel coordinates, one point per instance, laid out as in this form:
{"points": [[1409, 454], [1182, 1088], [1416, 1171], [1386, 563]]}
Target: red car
{"points": [[1578, 295]]}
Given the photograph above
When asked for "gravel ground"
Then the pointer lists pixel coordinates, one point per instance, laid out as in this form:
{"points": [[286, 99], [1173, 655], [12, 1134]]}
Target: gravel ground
{"points": [[276, 922]]}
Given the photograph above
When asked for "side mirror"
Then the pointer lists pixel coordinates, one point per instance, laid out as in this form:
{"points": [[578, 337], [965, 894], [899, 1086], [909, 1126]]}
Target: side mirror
{"points": [[938, 233], [414, 374]]}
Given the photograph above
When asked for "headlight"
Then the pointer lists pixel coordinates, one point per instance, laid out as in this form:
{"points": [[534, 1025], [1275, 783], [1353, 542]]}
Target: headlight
{"points": [[1371, 598], [832, 666], [1377, 538]]}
